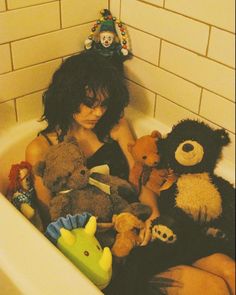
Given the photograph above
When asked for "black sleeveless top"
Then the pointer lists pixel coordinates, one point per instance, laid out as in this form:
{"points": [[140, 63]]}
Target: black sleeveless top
{"points": [[109, 153]]}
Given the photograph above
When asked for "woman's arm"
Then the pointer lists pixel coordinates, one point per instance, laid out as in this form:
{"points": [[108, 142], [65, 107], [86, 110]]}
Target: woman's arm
{"points": [[33, 154], [123, 135]]}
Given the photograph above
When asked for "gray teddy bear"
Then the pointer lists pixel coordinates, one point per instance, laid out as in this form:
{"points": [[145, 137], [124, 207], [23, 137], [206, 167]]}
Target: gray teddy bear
{"points": [[65, 174]]}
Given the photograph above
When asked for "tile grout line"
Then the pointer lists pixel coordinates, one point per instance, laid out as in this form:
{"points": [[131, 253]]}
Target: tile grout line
{"points": [[208, 41], [47, 32], [184, 15], [159, 57], [11, 58], [29, 6], [16, 114], [217, 124], [60, 14], [200, 101], [155, 105], [191, 82]]}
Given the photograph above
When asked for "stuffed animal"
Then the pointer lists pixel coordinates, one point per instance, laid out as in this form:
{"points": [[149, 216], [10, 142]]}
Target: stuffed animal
{"points": [[21, 192], [192, 149], [147, 158], [127, 227], [73, 189], [75, 237], [197, 212]]}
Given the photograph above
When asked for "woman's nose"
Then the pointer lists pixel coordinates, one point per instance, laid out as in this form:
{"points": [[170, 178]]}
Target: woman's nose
{"points": [[98, 111]]}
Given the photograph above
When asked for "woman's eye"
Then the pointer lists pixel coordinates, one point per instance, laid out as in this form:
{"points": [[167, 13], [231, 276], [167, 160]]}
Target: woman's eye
{"points": [[105, 103], [89, 102]]}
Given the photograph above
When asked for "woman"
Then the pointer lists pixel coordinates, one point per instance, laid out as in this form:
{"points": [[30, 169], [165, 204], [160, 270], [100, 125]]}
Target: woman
{"points": [[86, 99]]}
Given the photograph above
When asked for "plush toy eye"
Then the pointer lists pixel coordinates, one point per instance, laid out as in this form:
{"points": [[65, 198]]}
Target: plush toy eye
{"points": [[98, 248], [144, 157], [82, 172], [86, 253]]}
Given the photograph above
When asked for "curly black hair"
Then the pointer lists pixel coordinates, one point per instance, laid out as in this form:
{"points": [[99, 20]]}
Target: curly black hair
{"points": [[86, 70]]}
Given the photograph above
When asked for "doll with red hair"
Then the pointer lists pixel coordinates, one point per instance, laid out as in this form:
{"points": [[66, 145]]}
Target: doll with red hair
{"points": [[21, 192]]}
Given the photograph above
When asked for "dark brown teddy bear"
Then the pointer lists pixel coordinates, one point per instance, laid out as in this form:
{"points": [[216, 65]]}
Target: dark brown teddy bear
{"points": [[65, 174]]}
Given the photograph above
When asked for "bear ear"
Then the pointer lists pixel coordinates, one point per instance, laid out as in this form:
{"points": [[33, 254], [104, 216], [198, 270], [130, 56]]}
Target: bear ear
{"points": [[39, 168], [222, 136], [130, 146], [156, 134], [70, 139]]}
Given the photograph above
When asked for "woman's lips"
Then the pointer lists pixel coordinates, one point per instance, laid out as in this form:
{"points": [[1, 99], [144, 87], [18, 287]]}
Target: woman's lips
{"points": [[91, 121]]}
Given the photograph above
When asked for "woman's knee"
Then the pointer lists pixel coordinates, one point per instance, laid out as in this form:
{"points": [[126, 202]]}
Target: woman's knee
{"points": [[190, 280], [218, 264]]}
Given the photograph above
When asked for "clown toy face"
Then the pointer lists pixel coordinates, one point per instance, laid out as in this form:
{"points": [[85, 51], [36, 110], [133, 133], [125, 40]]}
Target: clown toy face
{"points": [[106, 38]]}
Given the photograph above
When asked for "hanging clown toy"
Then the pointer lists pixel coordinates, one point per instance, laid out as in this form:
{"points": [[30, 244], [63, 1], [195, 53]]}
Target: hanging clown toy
{"points": [[104, 38]]}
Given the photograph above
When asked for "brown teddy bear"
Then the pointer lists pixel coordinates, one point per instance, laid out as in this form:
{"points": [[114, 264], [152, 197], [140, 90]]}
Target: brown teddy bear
{"points": [[145, 170], [65, 174]]}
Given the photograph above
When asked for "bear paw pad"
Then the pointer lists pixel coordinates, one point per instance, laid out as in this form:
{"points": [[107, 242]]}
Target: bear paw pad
{"points": [[163, 233]]}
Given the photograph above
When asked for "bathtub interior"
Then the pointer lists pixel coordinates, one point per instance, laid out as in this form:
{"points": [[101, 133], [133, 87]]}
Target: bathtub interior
{"points": [[29, 263]]}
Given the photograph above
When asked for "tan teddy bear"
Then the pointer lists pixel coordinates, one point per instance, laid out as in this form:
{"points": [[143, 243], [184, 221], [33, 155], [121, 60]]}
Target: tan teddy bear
{"points": [[145, 170], [127, 226]]}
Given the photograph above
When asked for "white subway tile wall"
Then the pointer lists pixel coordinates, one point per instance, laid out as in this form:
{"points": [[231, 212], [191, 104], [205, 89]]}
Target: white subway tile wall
{"points": [[155, 2], [184, 54], [183, 65], [32, 101], [221, 47], [5, 64], [8, 118], [2, 5], [75, 12], [13, 4], [35, 36]]}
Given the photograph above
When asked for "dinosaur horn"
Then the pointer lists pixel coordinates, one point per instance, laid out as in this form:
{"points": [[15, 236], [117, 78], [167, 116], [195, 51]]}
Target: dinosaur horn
{"points": [[91, 226], [106, 259], [67, 236]]}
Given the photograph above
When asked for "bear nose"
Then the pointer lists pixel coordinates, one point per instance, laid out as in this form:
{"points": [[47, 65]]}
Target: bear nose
{"points": [[187, 147], [82, 172]]}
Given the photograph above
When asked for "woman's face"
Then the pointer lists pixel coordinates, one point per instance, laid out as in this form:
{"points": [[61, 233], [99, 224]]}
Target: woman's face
{"points": [[92, 108]]}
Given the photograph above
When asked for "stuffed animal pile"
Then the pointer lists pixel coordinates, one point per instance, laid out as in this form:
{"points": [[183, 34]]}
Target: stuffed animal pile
{"points": [[197, 212], [65, 174]]}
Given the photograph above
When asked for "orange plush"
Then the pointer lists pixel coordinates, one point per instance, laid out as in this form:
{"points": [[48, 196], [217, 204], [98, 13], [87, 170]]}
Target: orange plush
{"points": [[147, 158], [127, 226]]}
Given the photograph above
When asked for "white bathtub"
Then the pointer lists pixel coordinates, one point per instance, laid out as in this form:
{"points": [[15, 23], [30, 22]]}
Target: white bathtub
{"points": [[29, 263]]}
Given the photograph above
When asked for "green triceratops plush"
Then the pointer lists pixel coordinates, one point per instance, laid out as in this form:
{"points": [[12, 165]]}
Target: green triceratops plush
{"points": [[75, 237]]}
